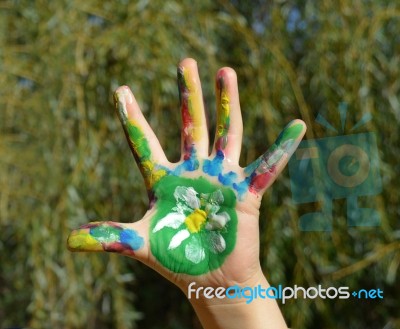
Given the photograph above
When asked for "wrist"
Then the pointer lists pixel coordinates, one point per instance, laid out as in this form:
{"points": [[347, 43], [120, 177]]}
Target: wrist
{"points": [[244, 305]]}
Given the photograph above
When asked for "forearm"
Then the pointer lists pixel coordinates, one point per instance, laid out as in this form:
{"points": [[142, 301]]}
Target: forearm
{"points": [[226, 313]]}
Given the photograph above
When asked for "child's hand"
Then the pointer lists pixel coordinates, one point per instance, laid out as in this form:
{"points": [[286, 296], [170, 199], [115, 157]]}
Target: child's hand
{"points": [[202, 223]]}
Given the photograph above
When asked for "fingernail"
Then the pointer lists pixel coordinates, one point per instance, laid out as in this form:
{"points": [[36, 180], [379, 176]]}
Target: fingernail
{"points": [[123, 95]]}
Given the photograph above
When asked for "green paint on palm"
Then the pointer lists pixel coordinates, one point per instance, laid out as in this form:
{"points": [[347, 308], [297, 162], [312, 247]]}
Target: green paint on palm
{"points": [[195, 226]]}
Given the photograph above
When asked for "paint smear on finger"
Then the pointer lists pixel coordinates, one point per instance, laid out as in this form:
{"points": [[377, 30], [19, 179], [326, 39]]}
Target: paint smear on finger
{"points": [[105, 236], [223, 116], [264, 170], [138, 142], [191, 116]]}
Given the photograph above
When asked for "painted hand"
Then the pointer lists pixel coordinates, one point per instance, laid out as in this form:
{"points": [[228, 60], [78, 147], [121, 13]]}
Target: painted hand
{"points": [[202, 223]]}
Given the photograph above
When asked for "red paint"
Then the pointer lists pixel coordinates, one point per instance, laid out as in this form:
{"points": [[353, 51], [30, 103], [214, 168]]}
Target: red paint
{"points": [[187, 126], [259, 182], [118, 247], [186, 118], [221, 143]]}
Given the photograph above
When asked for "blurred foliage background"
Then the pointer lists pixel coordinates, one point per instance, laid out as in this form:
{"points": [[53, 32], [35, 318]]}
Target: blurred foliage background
{"points": [[64, 160]]}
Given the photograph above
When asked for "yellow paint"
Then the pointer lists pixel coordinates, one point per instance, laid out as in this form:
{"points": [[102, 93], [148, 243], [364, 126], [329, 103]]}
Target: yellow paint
{"points": [[137, 139], [223, 115], [195, 220], [195, 104], [81, 240], [151, 174], [157, 175], [148, 167]]}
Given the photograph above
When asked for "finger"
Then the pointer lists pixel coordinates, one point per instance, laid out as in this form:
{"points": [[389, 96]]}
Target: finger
{"points": [[262, 172], [194, 126], [126, 239], [228, 134], [144, 144]]}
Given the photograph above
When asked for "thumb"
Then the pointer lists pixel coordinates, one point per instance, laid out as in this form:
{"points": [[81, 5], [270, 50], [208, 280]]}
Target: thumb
{"points": [[109, 236]]}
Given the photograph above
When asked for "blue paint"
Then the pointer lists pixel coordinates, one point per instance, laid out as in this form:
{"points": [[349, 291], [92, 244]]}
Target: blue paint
{"points": [[132, 239], [227, 179], [214, 167], [253, 166], [190, 164], [243, 186]]}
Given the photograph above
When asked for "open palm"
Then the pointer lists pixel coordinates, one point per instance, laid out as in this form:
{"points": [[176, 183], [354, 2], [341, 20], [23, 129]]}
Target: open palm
{"points": [[202, 222]]}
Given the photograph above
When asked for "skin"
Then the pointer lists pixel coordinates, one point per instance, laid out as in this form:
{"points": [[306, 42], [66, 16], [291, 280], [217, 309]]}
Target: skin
{"points": [[235, 261]]}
